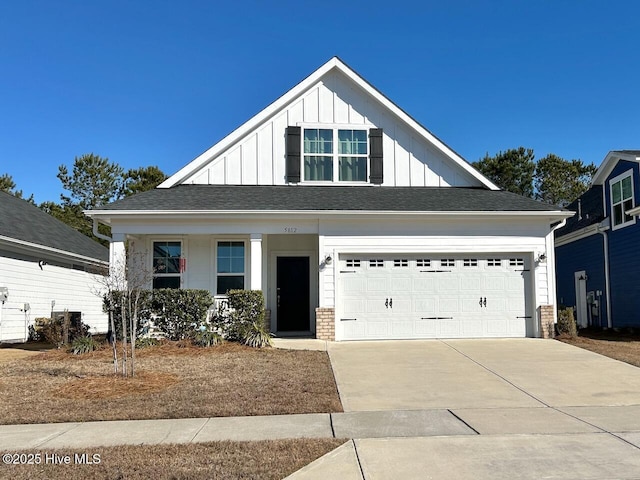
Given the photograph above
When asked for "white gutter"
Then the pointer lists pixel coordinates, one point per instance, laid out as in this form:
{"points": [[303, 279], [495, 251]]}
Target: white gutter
{"points": [[98, 234], [602, 229], [35, 246], [192, 213]]}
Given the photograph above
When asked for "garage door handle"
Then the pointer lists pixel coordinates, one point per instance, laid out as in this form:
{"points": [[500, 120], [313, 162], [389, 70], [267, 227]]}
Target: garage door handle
{"points": [[391, 303], [483, 303], [386, 303]]}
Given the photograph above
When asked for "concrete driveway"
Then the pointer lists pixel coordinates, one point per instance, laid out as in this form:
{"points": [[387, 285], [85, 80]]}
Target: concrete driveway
{"points": [[532, 409]]}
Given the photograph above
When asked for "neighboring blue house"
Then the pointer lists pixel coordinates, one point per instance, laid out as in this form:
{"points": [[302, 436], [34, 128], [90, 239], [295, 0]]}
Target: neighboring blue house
{"points": [[597, 251]]}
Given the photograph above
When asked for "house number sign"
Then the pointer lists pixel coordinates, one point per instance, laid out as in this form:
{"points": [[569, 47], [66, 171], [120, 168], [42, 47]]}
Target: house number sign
{"points": [[290, 229]]}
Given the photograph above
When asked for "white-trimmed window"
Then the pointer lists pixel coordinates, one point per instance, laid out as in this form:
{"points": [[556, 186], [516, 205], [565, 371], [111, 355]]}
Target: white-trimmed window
{"points": [[470, 262], [621, 199], [322, 162], [447, 262], [376, 263], [401, 262], [230, 266], [167, 264], [423, 262], [494, 262]]}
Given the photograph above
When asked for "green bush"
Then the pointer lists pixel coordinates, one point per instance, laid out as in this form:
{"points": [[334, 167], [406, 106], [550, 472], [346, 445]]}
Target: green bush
{"points": [[84, 344], [245, 307], [114, 301], [256, 335], [566, 323], [54, 330], [178, 313], [204, 337], [144, 342]]}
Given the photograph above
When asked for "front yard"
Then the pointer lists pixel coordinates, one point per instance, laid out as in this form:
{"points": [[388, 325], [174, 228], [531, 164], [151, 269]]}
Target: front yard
{"points": [[623, 346], [172, 381]]}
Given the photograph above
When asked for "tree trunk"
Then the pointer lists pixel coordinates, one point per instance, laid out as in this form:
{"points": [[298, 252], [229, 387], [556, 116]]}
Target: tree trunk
{"points": [[124, 337], [114, 337]]}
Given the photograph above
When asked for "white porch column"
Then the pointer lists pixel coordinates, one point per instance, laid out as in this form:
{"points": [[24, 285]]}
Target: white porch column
{"points": [[256, 261], [117, 256]]}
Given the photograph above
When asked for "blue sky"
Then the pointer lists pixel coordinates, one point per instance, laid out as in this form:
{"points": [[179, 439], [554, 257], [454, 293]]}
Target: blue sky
{"points": [[158, 82]]}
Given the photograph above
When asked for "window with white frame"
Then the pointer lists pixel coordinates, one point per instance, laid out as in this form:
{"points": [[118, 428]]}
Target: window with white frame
{"points": [[323, 162], [621, 199], [230, 270], [167, 264]]}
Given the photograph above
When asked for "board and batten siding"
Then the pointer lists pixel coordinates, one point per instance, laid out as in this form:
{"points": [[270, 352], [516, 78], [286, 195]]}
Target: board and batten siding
{"points": [[74, 290], [259, 157]]}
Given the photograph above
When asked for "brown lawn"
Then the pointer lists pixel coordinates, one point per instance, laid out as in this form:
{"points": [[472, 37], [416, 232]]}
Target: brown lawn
{"points": [[623, 346], [274, 459], [171, 382]]}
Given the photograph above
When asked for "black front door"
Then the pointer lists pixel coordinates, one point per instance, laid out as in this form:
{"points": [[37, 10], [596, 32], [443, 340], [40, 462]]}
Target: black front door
{"points": [[293, 294]]}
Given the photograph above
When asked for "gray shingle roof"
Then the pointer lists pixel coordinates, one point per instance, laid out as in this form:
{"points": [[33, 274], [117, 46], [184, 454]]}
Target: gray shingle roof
{"points": [[23, 221], [326, 198]]}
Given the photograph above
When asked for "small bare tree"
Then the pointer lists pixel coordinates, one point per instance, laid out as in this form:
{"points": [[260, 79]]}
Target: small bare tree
{"points": [[128, 277]]}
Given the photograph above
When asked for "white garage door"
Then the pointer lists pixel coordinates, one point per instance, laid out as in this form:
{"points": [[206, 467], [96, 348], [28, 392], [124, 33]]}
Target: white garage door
{"points": [[427, 296]]}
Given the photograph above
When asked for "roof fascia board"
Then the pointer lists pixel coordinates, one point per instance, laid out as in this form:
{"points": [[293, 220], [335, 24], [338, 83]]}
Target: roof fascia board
{"points": [[108, 215], [34, 247], [577, 235], [297, 90], [609, 163]]}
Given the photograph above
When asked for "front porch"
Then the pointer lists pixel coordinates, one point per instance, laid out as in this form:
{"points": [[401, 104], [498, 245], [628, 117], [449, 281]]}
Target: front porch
{"points": [[286, 267]]}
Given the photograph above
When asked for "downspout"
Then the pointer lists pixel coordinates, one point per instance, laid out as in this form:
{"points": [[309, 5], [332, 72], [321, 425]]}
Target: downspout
{"points": [[551, 279], [98, 234], [602, 229]]}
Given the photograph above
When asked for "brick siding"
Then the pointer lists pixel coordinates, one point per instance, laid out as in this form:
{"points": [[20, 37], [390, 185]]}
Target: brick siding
{"points": [[326, 324]]}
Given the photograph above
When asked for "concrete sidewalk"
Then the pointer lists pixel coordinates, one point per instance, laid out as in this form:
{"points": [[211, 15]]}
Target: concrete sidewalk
{"points": [[194, 430]]}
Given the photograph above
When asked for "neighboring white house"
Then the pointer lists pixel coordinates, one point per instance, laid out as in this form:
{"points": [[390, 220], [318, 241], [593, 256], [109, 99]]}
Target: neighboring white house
{"points": [[45, 266], [355, 221]]}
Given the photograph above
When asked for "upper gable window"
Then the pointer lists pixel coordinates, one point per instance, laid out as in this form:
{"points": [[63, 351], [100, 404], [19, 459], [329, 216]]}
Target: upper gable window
{"points": [[323, 162], [318, 154], [621, 199]]}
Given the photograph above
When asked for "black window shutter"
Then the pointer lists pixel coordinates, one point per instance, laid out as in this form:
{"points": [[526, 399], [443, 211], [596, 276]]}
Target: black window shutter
{"points": [[293, 155], [375, 156]]}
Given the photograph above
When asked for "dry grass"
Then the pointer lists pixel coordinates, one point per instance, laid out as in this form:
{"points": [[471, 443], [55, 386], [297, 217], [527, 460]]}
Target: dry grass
{"points": [[274, 459], [171, 382], [623, 346]]}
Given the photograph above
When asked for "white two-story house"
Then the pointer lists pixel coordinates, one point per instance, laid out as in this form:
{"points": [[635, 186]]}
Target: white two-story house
{"points": [[354, 220]]}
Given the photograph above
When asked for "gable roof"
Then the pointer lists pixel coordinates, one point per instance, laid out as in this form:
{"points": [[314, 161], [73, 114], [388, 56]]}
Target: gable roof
{"points": [[333, 64], [26, 223], [589, 211], [610, 161], [211, 199]]}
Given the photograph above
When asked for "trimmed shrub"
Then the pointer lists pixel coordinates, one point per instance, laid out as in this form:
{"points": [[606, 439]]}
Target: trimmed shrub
{"points": [[245, 308], [178, 313], [566, 323]]}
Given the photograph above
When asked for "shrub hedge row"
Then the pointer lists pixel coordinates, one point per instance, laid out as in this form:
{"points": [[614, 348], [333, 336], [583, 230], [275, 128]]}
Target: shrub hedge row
{"points": [[181, 313]]}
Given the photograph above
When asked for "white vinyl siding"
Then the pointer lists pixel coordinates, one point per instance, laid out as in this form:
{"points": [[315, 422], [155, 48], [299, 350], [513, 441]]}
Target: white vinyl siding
{"points": [[43, 290]]}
